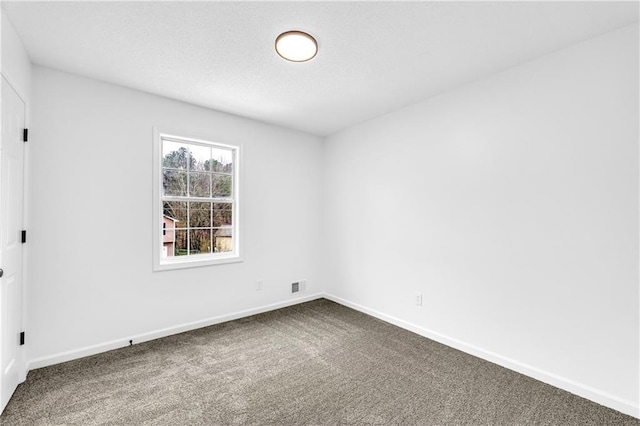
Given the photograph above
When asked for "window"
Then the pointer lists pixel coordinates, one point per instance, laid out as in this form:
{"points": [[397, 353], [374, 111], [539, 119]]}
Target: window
{"points": [[195, 202]]}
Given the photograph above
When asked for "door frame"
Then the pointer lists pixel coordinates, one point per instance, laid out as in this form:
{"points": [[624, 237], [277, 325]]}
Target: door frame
{"points": [[23, 364]]}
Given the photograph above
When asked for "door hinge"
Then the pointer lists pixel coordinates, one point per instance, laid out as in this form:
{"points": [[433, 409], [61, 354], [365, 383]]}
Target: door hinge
{"points": [[24, 236], [21, 338], [25, 135]]}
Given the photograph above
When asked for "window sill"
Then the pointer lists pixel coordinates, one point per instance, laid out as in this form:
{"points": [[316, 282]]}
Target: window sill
{"points": [[169, 265]]}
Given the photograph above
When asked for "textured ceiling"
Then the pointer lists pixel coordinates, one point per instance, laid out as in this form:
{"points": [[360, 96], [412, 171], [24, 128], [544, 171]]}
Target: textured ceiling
{"points": [[373, 57]]}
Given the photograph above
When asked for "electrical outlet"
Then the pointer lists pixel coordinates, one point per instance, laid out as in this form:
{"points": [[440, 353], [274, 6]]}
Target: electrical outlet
{"points": [[419, 299], [258, 285]]}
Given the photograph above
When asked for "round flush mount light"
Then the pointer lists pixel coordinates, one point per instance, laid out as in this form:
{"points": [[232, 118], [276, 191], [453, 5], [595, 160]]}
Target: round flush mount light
{"points": [[296, 46]]}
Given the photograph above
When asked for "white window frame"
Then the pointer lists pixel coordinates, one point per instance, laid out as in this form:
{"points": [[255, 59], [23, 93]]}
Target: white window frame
{"points": [[190, 261]]}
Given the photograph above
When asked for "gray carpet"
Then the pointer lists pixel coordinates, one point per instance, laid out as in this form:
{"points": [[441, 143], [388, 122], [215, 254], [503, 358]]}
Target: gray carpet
{"points": [[315, 363]]}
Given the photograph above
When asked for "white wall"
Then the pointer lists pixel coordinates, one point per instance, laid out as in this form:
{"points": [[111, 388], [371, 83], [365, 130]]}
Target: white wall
{"points": [[15, 65], [511, 204], [91, 233]]}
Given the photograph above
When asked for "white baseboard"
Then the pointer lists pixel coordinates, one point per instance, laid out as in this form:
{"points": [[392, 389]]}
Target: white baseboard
{"points": [[603, 398], [144, 337], [625, 406]]}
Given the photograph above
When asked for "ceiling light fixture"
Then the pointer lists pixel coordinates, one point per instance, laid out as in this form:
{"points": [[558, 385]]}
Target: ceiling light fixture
{"points": [[296, 46]]}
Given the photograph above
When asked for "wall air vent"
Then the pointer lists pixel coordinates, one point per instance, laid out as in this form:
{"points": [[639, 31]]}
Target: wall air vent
{"points": [[299, 286]]}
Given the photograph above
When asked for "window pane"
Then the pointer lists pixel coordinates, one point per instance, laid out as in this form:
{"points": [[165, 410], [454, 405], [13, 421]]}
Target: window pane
{"points": [[200, 157], [199, 215], [222, 214], [200, 185], [200, 241], [222, 240], [222, 160], [198, 197], [168, 239], [181, 243], [174, 183], [175, 210], [175, 155], [221, 185]]}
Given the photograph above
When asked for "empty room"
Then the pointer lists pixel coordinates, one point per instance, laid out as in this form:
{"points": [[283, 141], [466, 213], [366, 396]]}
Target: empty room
{"points": [[320, 213]]}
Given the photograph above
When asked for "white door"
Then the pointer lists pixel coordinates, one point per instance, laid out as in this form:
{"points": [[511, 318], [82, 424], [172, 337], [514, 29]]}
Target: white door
{"points": [[11, 202]]}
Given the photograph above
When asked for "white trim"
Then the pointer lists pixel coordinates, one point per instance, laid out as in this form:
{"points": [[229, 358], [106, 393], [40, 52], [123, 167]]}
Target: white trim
{"points": [[164, 332], [193, 261], [23, 368], [209, 259], [596, 395], [608, 400], [170, 218]]}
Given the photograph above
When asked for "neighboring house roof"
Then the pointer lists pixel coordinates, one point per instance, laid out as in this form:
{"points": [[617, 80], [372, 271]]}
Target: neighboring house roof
{"points": [[170, 218], [223, 232]]}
